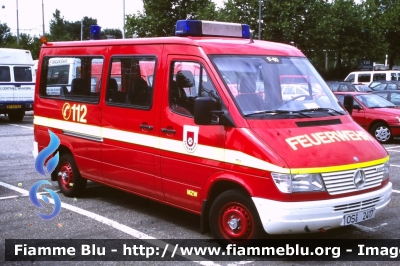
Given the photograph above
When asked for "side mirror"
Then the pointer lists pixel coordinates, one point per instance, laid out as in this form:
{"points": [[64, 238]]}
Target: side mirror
{"points": [[203, 107], [348, 103]]}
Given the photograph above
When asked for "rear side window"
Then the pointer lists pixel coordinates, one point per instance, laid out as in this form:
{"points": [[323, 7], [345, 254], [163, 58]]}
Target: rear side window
{"points": [[5, 73], [71, 78], [130, 81], [364, 77], [22, 74], [380, 76]]}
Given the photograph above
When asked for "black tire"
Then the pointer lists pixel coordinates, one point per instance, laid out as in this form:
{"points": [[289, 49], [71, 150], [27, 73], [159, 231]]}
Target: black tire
{"points": [[234, 219], [382, 133], [16, 116], [69, 179]]}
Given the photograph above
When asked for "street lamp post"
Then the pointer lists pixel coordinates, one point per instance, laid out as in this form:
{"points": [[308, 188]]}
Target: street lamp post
{"points": [[43, 16], [123, 17], [17, 26], [259, 19]]}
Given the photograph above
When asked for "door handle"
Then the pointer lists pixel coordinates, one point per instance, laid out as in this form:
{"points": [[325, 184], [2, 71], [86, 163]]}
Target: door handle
{"points": [[168, 131], [144, 126]]}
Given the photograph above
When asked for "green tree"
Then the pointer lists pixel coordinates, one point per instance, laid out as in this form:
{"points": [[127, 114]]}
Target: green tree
{"points": [[7, 40], [159, 17], [242, 11], [81, 26], [111, 34], [386, 17], [5, 35], [58, 29]]}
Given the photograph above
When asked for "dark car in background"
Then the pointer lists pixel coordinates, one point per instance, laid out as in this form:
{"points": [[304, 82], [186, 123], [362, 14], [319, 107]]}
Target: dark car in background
{"points": [[384, 85], [392, 96], [347, 86], [378, 116]]}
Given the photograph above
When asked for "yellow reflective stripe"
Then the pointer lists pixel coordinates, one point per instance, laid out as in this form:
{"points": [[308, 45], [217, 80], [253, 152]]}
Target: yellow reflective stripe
{"points": [[330, 169], [202, 151], [85, 129], [130, 137]]}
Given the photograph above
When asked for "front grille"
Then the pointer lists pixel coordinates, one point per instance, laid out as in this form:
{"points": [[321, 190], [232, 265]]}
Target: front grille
{"points": [[343, 181], [357, 206]]}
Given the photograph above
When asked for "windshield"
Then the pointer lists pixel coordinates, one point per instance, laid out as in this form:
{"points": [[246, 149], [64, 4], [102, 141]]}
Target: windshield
{"points": [[274, 85], [374, 101]]}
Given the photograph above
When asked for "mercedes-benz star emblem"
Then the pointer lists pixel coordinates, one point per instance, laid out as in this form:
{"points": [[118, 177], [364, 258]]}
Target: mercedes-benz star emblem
{"points": [[359, 178]]}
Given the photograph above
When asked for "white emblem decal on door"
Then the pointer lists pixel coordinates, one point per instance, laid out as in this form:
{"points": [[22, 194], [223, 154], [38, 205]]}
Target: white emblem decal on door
{"points": [[190, 138]]}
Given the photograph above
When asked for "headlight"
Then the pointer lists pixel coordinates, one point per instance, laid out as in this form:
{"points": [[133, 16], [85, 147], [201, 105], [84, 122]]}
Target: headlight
{"points": [[287, 183], [386, 167]]}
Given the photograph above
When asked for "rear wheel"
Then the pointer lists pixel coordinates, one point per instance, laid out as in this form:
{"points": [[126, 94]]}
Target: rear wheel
{"points": [[382, 133], [16, 116], [234, 219], [69, 179]]}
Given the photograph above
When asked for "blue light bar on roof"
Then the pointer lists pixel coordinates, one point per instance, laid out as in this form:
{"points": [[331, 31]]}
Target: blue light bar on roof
{"points": [[211, 28]]}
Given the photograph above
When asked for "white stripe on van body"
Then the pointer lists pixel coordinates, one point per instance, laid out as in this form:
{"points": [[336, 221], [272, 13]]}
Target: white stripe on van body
{"points": [[202, 151]]}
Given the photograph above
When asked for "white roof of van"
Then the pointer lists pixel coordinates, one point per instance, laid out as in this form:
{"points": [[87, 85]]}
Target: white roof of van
{"points": [[375, 71], [10, 56]]}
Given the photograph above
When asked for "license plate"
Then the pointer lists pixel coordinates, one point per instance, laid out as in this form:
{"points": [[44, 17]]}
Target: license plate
{"points": [[14, 106], [358, 217]]}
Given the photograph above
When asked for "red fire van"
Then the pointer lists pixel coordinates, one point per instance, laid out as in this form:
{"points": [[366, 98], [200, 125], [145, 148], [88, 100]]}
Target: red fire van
{"points": [[210, 132]]}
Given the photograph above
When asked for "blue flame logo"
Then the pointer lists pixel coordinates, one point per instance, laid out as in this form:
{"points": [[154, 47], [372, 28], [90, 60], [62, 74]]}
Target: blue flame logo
{"points": [[51, 164], [45, 153]]}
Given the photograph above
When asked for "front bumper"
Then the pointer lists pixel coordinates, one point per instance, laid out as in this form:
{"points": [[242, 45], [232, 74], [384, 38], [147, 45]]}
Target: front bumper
{"points": [[314, 216], [395, 129], [14, 106]]}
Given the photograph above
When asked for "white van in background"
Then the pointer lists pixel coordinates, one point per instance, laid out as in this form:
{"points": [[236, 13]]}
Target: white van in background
{"points": [[17, 83], [366, 77], [35, 65], [61, 73]]}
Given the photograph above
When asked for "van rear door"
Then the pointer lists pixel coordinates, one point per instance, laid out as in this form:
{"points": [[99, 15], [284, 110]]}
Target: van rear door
{"points": [[6, 86], [16, 90], [24, 85]]}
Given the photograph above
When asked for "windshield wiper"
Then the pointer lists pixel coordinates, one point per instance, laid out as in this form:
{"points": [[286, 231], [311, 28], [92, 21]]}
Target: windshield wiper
{"points": [[321, 109], [277, 112]]}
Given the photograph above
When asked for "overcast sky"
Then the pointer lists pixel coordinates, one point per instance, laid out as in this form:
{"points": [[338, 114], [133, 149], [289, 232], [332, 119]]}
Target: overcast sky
{"points": [[109, 13]]}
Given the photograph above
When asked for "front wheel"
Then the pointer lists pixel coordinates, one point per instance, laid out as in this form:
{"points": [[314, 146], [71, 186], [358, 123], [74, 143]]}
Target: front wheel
{"points": [[382, 133], [69, 179], [234, 218]]}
